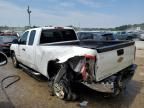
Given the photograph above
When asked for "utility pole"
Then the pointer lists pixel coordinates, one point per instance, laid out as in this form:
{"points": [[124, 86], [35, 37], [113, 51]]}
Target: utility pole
{"points": [[29, 14]]}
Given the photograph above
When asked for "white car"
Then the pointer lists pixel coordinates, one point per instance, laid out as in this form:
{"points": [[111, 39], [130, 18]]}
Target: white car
{"points": [[141, 37], [56, 53]]}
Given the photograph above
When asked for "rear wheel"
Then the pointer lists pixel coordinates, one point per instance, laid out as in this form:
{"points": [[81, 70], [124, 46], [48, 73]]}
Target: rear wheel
{"points": [[60, 90], [63, 91], [14, 60], [61, 85]]}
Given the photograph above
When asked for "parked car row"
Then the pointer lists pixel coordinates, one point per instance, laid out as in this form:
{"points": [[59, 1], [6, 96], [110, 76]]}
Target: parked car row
{"points": [[126, 35], [98, 36], [105, 36]]}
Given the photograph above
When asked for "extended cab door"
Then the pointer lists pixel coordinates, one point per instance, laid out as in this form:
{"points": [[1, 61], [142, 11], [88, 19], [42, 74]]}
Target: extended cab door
{"points": [[30, 50]]}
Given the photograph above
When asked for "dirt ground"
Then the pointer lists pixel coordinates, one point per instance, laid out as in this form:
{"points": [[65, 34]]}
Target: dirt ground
{"points": [[30, 93]]}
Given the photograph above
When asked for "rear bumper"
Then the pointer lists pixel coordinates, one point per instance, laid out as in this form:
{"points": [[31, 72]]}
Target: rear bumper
{"points": [[131, 69], [108, 85]]}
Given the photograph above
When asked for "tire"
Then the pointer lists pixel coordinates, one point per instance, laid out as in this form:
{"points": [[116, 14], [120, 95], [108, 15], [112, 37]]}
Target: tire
{"points": [[63, 91], [14, 61], [61, 85]]}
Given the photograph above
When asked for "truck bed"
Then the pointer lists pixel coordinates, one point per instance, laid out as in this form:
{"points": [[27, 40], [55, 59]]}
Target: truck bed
{"points": [[112, 57], [100, 46]]}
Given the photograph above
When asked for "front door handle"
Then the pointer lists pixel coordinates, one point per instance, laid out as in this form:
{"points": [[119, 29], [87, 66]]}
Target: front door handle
{"points": [[23, 49]]}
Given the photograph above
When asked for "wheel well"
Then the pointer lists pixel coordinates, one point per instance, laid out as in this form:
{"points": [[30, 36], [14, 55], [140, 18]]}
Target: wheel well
{"points": [[52, 68]]}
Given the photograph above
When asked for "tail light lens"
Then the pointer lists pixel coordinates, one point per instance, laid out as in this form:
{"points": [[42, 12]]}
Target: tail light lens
{"points": [[88, 68], [59, 27], [135, 53], [90, 57]]}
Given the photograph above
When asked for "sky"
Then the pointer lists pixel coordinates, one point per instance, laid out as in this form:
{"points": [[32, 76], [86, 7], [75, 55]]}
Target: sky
{"points": [[81, 13]]}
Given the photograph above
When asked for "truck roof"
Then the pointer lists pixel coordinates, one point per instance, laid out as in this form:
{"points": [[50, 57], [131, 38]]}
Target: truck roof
{"points": [[53, 27]]}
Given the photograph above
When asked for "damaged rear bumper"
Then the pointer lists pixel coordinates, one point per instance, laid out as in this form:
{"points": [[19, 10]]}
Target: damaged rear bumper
{"points": [[108, 85]]}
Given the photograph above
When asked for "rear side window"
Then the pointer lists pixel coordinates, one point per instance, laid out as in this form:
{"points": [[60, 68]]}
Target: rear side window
{"points": [[55, 35], [23, 39], [31, 38]]}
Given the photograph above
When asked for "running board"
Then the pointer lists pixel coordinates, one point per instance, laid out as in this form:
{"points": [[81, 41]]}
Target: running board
{"points": [[29, 70]]}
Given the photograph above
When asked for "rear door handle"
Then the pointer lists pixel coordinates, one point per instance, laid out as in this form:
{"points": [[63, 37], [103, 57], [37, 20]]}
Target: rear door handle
{"points": [[120, 52], [23, 49]]}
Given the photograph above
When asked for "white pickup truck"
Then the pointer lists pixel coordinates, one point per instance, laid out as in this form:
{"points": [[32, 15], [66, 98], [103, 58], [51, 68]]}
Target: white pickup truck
{"points": [[56, 53]]}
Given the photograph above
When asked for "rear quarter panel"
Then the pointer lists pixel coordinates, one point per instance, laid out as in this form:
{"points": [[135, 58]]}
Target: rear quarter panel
{"points": [[44, 54]]}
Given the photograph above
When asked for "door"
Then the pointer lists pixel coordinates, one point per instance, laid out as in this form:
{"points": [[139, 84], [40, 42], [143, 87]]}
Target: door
{"points": [[22, 47], [30, 50]]}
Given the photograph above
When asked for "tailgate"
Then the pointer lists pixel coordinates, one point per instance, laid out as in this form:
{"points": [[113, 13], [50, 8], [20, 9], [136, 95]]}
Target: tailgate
{"points": [[111, 62]]}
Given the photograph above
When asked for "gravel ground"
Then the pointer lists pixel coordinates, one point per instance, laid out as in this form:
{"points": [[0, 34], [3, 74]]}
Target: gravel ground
{"points": [[139, 44], [30, 93]]}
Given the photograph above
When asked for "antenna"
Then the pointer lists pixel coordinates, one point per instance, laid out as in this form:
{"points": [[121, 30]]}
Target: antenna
{"points": [[29, 14]]}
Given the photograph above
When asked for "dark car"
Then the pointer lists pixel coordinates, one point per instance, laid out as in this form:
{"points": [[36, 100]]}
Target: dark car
{"points": [[108, 36], [6, 41], [98, 36]]}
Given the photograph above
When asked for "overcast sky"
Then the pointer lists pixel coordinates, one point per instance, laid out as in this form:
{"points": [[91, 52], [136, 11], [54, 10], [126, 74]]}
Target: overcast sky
{"points": [[83, 13]]}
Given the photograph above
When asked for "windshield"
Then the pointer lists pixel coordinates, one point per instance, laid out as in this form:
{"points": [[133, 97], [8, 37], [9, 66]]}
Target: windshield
{"points": [[7, 39]]}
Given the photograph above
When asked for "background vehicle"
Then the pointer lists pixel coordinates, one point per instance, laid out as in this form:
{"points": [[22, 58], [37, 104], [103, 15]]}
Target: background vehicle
{"points": [[56, 53], [3, 59], [123, 35], [6, 40], [141, 37], [98, 36]]}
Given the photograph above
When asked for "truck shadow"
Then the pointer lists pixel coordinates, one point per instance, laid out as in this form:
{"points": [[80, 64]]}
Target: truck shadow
{"points": [[96, 99], [6, 105]]}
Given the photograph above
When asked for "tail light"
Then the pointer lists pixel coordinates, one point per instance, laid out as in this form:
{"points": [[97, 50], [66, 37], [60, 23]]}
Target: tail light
{"points": [[90, 57], [88, 68], [83, 72], [59, 27]]}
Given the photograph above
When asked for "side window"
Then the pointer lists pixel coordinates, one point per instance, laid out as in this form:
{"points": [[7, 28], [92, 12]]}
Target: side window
{"points": [[31, 38], [23, 39]]}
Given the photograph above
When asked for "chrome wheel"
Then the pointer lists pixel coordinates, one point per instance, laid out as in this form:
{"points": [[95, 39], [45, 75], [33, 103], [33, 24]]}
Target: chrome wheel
{"points": [[59, 90]]}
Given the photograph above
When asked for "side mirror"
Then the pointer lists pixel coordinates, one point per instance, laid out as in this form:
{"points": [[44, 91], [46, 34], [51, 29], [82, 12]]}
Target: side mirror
{"points": [[15, 41], [3, 59]]}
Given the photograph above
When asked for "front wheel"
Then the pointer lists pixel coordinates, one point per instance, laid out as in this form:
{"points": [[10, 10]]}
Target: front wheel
{"points": [[14, 60]]}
